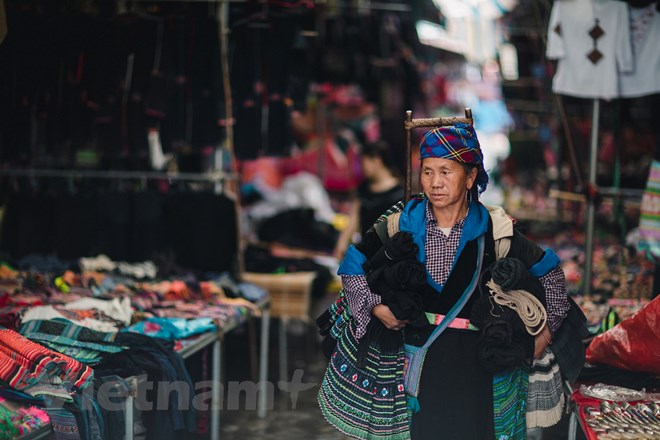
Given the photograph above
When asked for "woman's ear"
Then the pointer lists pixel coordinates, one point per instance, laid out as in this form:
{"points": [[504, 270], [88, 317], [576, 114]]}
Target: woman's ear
{"points": [[472, 177]]}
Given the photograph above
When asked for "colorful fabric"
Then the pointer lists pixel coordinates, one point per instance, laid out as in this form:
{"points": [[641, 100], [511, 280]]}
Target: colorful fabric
{"points": [[545, 395], [85, 352], [7, 428], [172, 328], [24, 363], [65, 426], [368, 402], [510, 404], [649, 220], [458, 323], [10, 316], [459, 143], [68, 329], [17, 420]]}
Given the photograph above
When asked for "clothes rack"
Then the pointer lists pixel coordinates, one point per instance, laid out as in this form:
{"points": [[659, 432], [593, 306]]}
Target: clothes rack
{"points": [[214, 176]]}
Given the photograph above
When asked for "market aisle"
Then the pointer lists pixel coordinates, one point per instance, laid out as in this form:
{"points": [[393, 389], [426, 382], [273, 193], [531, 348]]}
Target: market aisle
{"points": [[303, 422]]}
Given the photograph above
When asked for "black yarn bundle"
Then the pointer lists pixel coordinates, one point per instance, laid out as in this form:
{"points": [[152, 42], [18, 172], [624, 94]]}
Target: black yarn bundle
{"points": [[511, 274], [395, 274], [503, 339]]}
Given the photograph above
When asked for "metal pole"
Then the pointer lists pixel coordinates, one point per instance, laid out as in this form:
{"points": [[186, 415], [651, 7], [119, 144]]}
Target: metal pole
{"points": [[216, 396], [408, 187], [284, 351], [263, 362], [591, 206], [129, 421]]}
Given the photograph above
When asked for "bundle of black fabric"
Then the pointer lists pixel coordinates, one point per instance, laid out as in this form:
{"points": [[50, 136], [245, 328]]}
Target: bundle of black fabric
{"points": [[395, 274], [504, 341]]}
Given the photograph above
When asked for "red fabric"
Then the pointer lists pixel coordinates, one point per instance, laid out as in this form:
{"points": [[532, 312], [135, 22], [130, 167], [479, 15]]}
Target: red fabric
{"points": [[633, 344], [267, 169], [338, 170], [23, 363]]}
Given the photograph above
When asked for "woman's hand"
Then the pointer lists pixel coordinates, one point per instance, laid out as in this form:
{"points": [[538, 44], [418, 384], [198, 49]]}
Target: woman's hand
{"points": [[541, 341], [385, 315]]}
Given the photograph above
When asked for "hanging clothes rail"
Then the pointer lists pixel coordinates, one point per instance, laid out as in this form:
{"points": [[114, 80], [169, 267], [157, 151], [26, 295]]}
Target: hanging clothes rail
{"points": [[216, 176], [383, 6]]}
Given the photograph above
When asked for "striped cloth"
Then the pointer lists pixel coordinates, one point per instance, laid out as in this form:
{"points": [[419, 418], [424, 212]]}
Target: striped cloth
{"points": [[85, 352], [24, 363], [510, 404], [364, 402], [545, 395], [63, 327], [63, 422], [649, 220]]}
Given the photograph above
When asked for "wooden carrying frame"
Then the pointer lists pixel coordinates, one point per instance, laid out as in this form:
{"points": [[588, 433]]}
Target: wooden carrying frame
{"points": [[411, 123]]}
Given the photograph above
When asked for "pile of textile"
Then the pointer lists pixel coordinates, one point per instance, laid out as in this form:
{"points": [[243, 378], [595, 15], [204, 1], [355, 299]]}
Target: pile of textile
{"points": [[505, 340], [509, 316], [400, 280], [97, 328]]}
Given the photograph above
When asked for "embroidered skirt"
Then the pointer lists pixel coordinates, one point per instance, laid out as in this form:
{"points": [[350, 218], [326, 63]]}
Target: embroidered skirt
{"points": [[364, 402]]}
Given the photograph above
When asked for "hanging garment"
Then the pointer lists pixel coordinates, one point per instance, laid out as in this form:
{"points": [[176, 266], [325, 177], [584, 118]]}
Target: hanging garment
{"points": [[3, 21], [649, 223], [645, 35], [591, 40]]}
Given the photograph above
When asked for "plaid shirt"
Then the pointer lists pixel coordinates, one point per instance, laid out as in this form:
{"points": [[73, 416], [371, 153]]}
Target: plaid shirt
{"points": [[440, 253]]}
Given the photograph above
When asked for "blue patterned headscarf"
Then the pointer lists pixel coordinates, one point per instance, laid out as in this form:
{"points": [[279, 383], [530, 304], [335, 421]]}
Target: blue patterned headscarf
{"points": [[459, 143]]}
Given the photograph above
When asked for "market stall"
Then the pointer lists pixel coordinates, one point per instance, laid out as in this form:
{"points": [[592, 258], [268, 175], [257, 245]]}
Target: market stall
{"points": [[96, 317]]}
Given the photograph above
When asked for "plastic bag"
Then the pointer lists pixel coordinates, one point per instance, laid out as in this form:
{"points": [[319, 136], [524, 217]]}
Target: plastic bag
{"points": [[612, 392], [633, 344]]}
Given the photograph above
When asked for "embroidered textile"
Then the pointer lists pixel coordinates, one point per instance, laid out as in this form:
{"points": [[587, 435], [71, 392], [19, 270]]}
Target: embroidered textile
{"points": [[510, 404], [365, 403], [545, 395]]}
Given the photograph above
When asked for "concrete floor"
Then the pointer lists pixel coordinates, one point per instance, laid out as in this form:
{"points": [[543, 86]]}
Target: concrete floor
{"points": [[283, 421]]}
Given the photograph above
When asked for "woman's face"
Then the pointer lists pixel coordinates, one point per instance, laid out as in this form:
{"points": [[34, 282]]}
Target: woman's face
{"points": [[445, 182], [370, 166]]}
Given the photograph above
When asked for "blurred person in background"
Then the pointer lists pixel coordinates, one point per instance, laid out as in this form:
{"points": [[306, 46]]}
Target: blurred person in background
{"points": [[380, 189]]}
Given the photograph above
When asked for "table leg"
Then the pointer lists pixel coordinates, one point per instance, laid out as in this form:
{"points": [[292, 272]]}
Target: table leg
{"points": [[572, 425], [216, 404], [284, 352], [263, 362], [129, 419]]}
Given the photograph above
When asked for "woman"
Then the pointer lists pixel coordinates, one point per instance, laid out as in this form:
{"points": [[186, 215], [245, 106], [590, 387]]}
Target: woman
{"points": [[452, 396], [380, 190]]}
